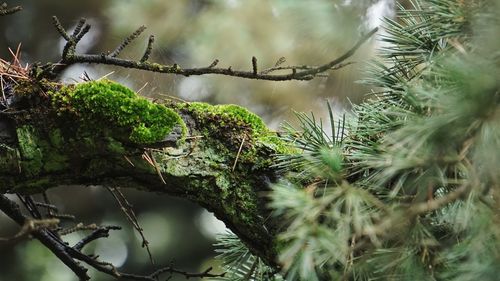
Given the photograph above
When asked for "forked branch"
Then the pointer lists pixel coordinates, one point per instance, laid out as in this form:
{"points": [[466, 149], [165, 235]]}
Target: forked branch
{"points": [[47, 232], [299, 72]]}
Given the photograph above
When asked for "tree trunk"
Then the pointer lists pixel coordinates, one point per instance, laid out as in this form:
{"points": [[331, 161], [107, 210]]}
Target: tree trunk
{"points": [[101, 133]]}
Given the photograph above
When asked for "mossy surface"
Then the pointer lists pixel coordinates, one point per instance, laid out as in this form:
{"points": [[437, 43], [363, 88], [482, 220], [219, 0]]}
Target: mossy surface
{"points": [[37, 155], [229, 123], [108, 105], [31, 153], [87, 135]]}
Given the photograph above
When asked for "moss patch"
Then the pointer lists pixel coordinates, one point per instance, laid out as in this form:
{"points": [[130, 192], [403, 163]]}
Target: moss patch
{"points": [[228, 124], [108, 104], [37, 155], [31, 153]]}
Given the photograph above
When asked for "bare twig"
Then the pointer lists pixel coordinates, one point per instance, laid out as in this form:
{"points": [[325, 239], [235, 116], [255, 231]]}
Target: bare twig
{"points": [[149, 48], [45, 236], [100, 232], [238, 154], [214, 63], [5, 10], [154, 276], [127, 41], [31, 225], [70, 57], [71, 256], [254, 65], [126, 207]]}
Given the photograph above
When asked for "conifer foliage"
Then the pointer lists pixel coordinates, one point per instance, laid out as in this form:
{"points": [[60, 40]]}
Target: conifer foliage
{"points": [[408, 189]]}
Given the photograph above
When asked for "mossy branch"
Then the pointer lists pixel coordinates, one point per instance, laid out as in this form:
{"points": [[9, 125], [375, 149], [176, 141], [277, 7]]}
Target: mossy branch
{"points": [[102, 133], [299, 72]]}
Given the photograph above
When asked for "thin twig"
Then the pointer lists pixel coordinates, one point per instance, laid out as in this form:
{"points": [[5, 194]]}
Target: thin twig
{"points": [[101, 232], [254, 65], [45, 236], [149, 48], [4, 10], [127, 41], [71, 255], [31, 225], [70, 57], [126, 207], [239, 152]]}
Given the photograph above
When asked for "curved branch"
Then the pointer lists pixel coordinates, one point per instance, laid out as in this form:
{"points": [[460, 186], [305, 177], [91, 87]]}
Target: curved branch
{"points": [[208, 152]]}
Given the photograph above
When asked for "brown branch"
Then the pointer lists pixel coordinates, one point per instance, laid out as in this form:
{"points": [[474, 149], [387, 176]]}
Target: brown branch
{"points": [[435, 204], [71, 255], [30, 226], [407, 215], [126, 208], [301, 67], [154, 276], [149, 48], [45, 236], [100, 232], [4, 10], [254, 65], [302, 72], [60, 28]]}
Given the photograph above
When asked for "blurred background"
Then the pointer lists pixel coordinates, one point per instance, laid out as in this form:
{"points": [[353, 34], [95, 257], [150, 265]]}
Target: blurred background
{"points": [[191, 33]]}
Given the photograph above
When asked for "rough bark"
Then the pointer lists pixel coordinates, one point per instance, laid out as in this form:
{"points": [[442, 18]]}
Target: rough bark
{"points": [[217, 156]]}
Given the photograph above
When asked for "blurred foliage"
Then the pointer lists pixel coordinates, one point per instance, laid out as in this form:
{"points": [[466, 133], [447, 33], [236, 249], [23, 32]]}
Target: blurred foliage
{"points": [[411, 192]]}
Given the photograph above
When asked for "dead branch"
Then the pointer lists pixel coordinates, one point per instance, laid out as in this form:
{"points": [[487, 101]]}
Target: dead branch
{"points": [[5, 10], [44, 230], [70, 57]]}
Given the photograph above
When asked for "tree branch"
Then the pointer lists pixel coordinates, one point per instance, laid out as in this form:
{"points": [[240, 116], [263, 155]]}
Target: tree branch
{"points": [[4, 10], [71, 255], [70, 57], [45, 236]]}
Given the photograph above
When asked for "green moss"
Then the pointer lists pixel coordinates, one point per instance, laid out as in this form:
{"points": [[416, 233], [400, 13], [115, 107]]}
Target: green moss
{"points": [[31, 154], [230, 122], [273, 142], [227, 127], [112, 105], [224, 184], [115, 146], [228, 113], [37, 155], [8, 160], [56, 138], [55, 162]]}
